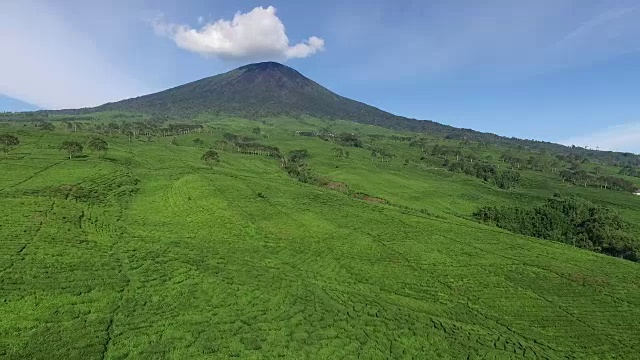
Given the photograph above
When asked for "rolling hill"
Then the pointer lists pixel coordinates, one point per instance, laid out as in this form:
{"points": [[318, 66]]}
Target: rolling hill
{"points": [[216, 221]]}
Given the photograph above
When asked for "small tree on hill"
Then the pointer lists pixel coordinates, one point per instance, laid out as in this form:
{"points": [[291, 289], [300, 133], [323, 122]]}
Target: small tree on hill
{"points": [[47, 126], [73, 148], [340, 152], [198, 142], [8, 141], [98, 145], [221, 145], [210, 157], [349, 139]]}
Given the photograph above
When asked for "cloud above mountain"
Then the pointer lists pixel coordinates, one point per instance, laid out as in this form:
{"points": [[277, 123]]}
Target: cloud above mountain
{"points": [[256, 35]]}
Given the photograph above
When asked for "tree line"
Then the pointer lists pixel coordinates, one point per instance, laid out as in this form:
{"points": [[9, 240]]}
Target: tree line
{"points": [[75, 148], [583, 178], [504, 179], [468, 163], [630, 171], [247, 145]]}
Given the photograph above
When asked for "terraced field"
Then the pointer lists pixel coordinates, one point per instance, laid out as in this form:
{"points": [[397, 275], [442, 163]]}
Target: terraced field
{"points": [[148, 253]]}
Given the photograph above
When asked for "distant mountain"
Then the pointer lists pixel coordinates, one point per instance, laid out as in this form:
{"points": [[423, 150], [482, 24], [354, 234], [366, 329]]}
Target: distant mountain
{"points": [[259, 90], [272, 89], [13, 105]]}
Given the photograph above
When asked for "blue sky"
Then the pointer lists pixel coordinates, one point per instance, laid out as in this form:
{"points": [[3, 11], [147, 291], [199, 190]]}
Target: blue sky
{"points": [[558, 70]]}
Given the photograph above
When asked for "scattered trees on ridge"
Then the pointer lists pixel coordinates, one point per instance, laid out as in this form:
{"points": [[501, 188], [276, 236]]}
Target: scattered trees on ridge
{"points": [[246, 145], [630, 171], [578, 176], [468, 163], [381, 154]]}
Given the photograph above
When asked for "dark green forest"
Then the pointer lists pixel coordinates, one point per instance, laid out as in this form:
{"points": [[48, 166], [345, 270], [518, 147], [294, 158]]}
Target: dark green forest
{"points": [[573, 221]]}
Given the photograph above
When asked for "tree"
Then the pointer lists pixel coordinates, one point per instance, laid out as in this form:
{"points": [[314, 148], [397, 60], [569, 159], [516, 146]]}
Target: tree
{"points": [[98, 145], [210, 157], [221, 145], [47, 126], [129, 134], [8, 141], [507, 179], [256, 130], [597, 170], [72, 147], [198, 142], [350, 139], [113, 127], [295, 164], [298, 156]]}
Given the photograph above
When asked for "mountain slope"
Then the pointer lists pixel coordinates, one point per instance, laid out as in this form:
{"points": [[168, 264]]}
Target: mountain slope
{"points": [[272, 89], [257, 90]]}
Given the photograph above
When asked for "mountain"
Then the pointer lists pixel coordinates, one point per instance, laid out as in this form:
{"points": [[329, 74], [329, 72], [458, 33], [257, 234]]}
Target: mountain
{"points": [[272, 89], [258, 90]]}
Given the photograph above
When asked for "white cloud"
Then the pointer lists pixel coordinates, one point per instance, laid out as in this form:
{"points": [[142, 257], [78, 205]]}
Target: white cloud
{"points": [[256, 35], [624, 137], [48, 63]]}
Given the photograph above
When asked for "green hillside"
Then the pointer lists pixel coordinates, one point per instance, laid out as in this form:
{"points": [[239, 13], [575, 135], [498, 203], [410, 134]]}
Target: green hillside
{"points": [[364, 246]]}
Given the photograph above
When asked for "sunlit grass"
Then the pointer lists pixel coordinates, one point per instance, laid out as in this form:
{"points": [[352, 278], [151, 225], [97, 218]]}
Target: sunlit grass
{"points": [[182, 260]]}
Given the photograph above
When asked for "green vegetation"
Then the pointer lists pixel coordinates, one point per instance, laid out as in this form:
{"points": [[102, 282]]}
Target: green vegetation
{"points": [[73, 148], [98, 145], [8, 142], [47, 126], [210, 157], [572, 221], [503, 179], [299, 235], [629, 171], [198, 142], [300, 246], [259, 91], [340, 152]]}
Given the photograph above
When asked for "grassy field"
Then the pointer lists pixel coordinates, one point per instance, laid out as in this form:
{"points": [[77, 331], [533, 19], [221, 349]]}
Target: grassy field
{"points": [[148, 253]]}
